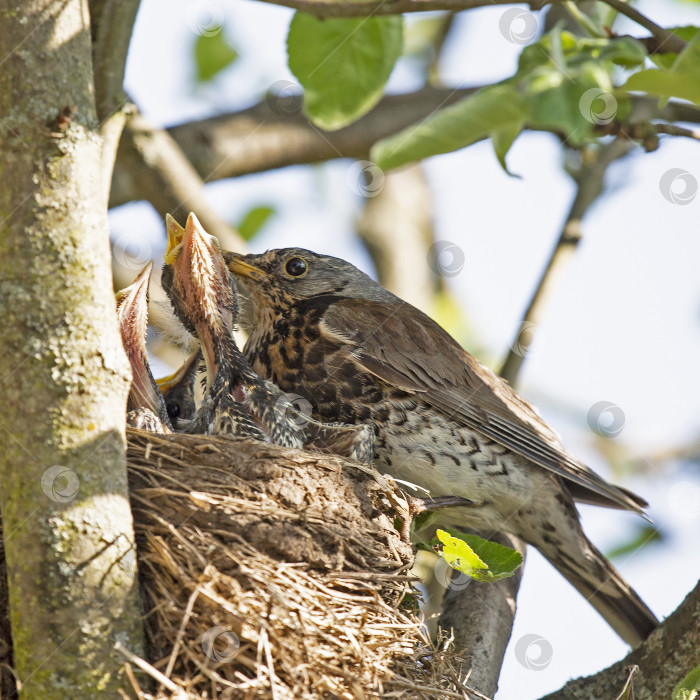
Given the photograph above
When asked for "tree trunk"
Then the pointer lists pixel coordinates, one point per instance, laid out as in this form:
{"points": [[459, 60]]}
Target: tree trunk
{"points": [[68, 529]]}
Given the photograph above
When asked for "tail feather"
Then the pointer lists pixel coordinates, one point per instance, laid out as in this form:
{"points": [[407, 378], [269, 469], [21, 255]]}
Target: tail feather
{"points": [[597, 580]]}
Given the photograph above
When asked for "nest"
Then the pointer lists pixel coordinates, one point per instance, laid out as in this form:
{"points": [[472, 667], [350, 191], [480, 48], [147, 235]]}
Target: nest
{"points": [[274, 573]]}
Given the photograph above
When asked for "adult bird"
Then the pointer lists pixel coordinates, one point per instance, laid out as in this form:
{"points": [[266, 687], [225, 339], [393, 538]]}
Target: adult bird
{"points": [[145, 405], [442, 420], [202, 293]]}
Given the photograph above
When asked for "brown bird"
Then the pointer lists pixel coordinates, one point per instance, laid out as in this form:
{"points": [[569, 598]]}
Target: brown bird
{"points": [[145, 405], [238, 401], [442, 420]]}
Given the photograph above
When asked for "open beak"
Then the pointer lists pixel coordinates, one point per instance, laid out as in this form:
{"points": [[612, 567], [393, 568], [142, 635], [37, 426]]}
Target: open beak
{"points": [[175, 236], [238, 266], [182, 373]]}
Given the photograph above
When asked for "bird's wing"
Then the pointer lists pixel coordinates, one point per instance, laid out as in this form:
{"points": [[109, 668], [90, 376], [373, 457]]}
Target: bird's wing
{"points": [[404, 347]]}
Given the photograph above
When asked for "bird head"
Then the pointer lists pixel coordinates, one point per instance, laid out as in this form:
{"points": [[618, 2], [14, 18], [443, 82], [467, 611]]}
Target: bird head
{"points": [[132, 312], [199, 286], [286, 277]]}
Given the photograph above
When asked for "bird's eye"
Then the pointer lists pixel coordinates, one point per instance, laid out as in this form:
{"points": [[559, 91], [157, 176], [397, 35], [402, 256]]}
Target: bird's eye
{"points": [[295, 267], [173, 410]]}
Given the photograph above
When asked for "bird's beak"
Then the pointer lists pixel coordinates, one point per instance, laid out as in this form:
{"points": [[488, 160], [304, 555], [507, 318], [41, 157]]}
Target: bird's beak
{"points": [[166, 384], [238, 266], [175, 236]]}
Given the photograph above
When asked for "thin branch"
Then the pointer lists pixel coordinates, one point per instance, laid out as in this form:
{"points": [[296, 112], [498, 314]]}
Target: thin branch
{"points": [[365, 8], [673, 130], [589, 181], [663, 660], [162, 174], [670, 41]]}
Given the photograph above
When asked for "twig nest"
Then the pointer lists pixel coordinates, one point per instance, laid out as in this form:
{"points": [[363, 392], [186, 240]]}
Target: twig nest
{"points": [[275, 573]]}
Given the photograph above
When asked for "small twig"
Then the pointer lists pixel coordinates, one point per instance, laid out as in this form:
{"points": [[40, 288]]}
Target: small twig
{"points": [[672, 42], [589, 181], [147, 668], [181, 632], [673, 130]]}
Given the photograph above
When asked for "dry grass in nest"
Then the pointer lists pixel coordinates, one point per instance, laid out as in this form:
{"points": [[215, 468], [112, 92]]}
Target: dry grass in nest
{"points": [[273, 573]]}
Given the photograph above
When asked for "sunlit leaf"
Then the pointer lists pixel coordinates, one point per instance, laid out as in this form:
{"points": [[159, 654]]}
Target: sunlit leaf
{"points": [[689, 687], [343, 64], [480, 559], [454, 127]]}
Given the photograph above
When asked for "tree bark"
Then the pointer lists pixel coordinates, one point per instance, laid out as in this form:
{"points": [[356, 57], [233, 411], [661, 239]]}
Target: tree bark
{"points": [[68, 530], [663, 660]]}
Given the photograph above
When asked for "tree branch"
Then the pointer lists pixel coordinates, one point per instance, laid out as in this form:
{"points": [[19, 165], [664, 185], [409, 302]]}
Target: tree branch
{"points": [[366, 8], [114, 23], [589, 181], [670, 41], [481, 619], [161, 173], [264, 137], [664, 659]]}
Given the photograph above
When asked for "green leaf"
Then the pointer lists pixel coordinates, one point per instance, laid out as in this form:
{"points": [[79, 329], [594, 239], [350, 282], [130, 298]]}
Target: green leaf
{"points": [[254, 220], [457, 126], [478, 558], [343, 64], [646, 534], [689, 687], [212, 53], [682, 79], [459, 555], [503, 139]]}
